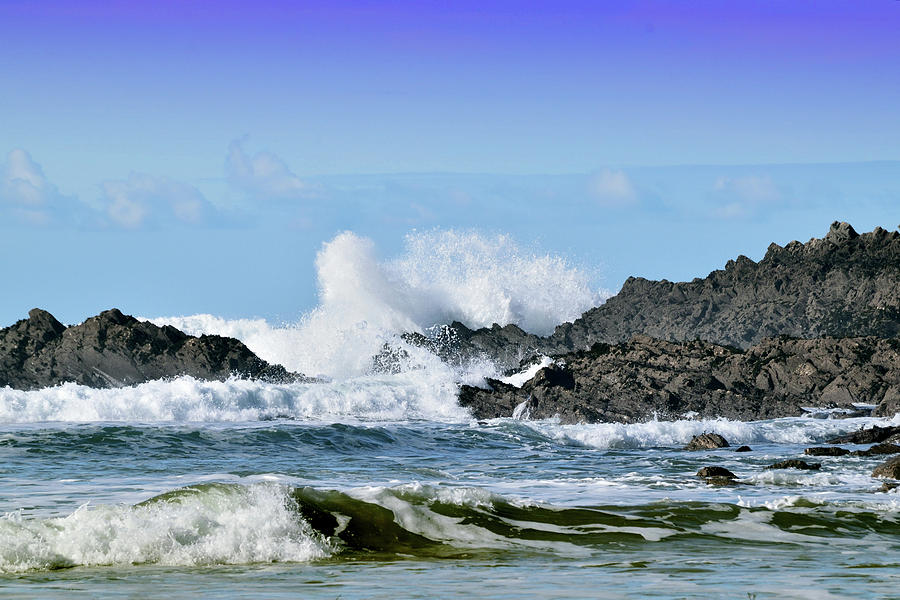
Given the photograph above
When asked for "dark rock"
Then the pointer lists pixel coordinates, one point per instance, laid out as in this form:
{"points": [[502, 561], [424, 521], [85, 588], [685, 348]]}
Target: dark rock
{"points": [[707, 472], [646, 378], [872, 435], [889, 469], [721, 481], [744, 449], [826, 451], [794, 463], [842, 285], [879, 450], [113, 350], [706, 441], [887, 486]]}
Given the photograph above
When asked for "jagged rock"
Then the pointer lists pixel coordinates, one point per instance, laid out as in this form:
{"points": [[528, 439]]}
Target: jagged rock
{"points": [[879, 450], [113, 350], [707, 441], [889, 469], [842, 285], [795, 463], [826, 451], [744, 449], [646, 378], [715, 471], [872, 435]]}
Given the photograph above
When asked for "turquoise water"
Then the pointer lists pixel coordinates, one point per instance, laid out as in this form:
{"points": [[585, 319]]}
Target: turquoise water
{"points": [[354, 507]]}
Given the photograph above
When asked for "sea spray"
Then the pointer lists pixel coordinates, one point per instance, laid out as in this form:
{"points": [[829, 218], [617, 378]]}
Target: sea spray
{"points": [[210, 524], [442, 276]]}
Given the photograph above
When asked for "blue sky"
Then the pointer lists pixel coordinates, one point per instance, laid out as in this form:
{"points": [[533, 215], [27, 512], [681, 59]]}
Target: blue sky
{"points": [[193, 156]]}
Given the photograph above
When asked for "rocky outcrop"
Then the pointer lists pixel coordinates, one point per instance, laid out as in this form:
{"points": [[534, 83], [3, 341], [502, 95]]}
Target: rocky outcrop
{"points": [[843, 285], [645, 378], [871, 435], [113, 350]]}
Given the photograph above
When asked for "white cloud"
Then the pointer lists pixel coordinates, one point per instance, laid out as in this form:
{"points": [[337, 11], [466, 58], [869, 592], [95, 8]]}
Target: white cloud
{"points": [[756, 189], [142, 199], [738, 197], [263, 175], [27, 193], [612, 188]]}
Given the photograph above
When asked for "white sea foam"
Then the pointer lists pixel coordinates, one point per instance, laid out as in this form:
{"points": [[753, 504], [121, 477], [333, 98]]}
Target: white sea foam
{"points": [[650, 434], [406, 396], [442, 276], [216, 525], [519, 379]]}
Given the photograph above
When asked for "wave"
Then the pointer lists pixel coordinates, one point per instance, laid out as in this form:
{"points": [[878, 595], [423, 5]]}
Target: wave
{"points": [[212, 524], [442, 276], [401, 397], [241, 524], [654, 434]]}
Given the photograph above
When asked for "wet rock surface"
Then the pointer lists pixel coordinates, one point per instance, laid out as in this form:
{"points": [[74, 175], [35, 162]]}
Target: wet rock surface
{"points": [[871, 435], [794, 463], [646, 378], [715, 471], [114, 350], [889, 469], [707, 441], [826, 451]]}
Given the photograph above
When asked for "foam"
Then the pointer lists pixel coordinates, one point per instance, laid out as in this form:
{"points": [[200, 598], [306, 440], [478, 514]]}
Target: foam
{"points": [[650, 434], [442, 276], [402, 397], [219, 524]]}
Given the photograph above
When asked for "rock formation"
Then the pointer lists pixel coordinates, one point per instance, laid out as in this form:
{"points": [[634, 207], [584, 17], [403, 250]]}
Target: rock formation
{"points": [[843, 285], [646, 377], [113, 350]]}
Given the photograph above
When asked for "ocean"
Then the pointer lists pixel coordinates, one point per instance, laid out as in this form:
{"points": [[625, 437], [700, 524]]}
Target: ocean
{"points": [[378, 485]]}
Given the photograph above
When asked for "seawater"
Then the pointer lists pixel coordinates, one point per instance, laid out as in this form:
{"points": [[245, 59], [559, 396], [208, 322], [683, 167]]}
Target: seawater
{"points": [[373, 485]]}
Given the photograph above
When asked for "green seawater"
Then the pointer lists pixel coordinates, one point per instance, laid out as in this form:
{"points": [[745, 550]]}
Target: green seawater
{"points": [[422, 509]]}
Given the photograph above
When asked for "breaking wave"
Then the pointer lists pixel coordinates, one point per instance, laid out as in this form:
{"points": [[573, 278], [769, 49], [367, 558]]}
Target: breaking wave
{"points": [[242, 524], [442, 276], [401, 397]]}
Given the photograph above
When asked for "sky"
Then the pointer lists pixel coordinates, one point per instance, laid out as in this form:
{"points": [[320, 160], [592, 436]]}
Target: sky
{"points": [[183, 157]]}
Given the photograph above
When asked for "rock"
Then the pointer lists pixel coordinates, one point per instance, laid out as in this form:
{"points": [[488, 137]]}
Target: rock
{"points": [[707, 472], [744, 449], [889, 469], [879, 450], [794, 463], [844, 285], [872, 435], [648, 378], [826, 451], [114, 350], [887, 486], [707, 441]]}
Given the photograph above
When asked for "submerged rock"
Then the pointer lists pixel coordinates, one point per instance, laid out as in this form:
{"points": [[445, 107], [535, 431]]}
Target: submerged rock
{"points": [[744, 449], [707, 441], [115, 350], [795, 463]]}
